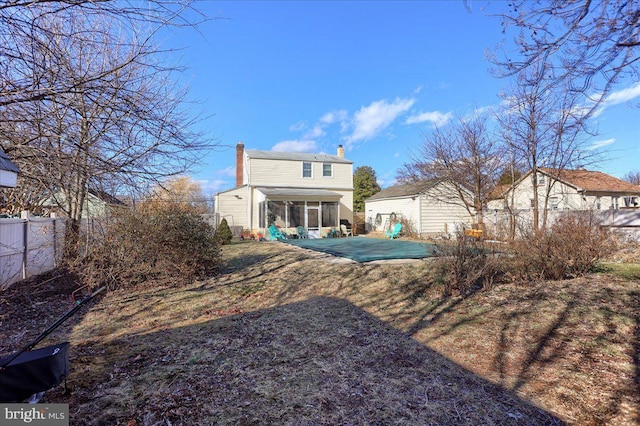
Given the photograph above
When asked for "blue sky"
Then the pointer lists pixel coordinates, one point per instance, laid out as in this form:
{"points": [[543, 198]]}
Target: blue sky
{"points": [[372, 76]]}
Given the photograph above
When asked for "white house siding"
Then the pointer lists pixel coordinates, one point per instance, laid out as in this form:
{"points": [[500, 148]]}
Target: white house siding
{"points": [[273, 171], [566, 196], [346, 205], [286, 173], [232, 205], [561, 197], [406, 206], [346, 202], [442, 216]]}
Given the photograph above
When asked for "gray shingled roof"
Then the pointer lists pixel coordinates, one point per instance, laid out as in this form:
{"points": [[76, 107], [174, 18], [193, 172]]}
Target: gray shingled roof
{"points": [[296, 156], [406, 190], [6, 164], [107, 198], [303, 192]]}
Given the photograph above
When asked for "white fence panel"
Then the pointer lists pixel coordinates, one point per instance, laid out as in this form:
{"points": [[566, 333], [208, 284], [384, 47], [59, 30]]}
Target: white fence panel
{"points": [[41, 246], [619, 218], [29, 247], [625, 221], [11, 250]]}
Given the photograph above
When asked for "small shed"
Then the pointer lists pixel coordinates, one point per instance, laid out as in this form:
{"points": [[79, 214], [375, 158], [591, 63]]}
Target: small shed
{"points": [[8, 172], [432, 207]]}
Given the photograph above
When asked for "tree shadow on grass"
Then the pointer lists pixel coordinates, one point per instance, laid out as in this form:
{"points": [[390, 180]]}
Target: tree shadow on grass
{"points": [[569, 344], [319, 361]]}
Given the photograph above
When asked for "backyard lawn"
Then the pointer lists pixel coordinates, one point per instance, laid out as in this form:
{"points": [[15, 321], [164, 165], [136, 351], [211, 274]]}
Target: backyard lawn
{"points": [[288, 336]]}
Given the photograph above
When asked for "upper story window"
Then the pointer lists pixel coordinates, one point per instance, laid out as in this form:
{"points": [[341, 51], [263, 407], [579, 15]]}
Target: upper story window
{"points": [[541, 179], [327, 169], [306, 170]]}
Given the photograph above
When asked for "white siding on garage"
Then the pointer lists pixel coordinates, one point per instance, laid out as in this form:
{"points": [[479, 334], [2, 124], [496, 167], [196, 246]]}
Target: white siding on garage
{"points": [[406, 206], [442, 216], [232, 205]]}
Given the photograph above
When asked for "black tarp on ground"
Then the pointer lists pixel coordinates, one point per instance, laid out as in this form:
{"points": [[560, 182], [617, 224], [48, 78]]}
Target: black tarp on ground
{"points": [[33, 371], [362, 249]]}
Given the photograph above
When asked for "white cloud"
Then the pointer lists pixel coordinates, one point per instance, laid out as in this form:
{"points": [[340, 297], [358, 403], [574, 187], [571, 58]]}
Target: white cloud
{"points": [[334, 117], [210, 187], [624, 95], [601, 144], [436, 117], [295, 146], [315, 132], [371, 120], [298, 127], [614, 98], [228, 171], [418, 89]]}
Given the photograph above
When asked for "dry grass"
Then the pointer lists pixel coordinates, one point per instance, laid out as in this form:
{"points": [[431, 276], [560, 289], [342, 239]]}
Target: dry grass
{"points": [[289, 337]]}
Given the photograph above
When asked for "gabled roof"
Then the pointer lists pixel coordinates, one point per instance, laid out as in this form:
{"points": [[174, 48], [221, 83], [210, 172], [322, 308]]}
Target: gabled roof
{"points": [[404, 190], [296, 156], [107, 198], [592, 181], [499, 191], [6, 164], [582, 180], [298, 194]]}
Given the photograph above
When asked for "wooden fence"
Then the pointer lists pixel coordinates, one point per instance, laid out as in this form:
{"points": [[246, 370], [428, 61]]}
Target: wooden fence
{"points": [[29, 246]]}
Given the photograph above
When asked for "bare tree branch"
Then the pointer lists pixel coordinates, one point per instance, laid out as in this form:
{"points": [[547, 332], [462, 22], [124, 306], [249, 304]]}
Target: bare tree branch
{"points": [[588, 46], [466, 156]]}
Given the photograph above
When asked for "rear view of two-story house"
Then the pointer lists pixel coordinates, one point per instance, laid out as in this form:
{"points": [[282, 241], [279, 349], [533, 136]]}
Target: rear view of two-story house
{"points": [[289, 190]]}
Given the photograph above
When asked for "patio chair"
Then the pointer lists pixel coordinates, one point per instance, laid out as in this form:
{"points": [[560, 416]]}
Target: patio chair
{"points": [[346, 232], [302, 232], [275, 233], [395, 233]]}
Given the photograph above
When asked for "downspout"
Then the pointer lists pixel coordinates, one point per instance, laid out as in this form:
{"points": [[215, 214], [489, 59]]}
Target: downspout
{"points": [[247, 170], [420, 214]]}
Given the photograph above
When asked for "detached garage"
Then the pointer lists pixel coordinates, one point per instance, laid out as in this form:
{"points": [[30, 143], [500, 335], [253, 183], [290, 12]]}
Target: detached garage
{"points": [[431, 208]]}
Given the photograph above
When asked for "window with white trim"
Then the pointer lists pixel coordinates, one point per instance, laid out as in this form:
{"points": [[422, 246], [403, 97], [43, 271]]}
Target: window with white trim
{"points": [[327, 170], [306, 170], [541, 179]]}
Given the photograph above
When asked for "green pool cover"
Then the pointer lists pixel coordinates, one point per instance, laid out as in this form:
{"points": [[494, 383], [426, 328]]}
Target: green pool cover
{"points": [[362, 249]]}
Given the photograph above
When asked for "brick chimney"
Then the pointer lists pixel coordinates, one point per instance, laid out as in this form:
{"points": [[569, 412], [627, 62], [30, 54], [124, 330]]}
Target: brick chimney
{"points": [[340, 151], [239, 163]]}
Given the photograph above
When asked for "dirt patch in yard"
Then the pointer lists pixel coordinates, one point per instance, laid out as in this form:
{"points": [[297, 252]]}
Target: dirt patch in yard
{"points": [[289, 337]]}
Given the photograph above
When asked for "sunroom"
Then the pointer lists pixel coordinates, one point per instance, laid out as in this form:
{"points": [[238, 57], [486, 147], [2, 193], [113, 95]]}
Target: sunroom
{"points": [[317, 210]]}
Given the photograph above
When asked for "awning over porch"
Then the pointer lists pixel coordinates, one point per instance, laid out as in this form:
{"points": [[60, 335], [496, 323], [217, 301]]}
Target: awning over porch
{"points": [[299, 194]]}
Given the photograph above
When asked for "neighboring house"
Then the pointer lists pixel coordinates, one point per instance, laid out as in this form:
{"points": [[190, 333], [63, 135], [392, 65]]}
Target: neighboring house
{"points": [[567, 190], [8, 172], [288, 189], [432, 208], [97, 204]]}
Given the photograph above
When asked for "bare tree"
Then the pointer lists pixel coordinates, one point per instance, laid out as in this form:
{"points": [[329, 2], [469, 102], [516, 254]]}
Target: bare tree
{"points": [[23, 22], [118, 117], [543, 129], [589, 46], [632, 177], [466, 156]]}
